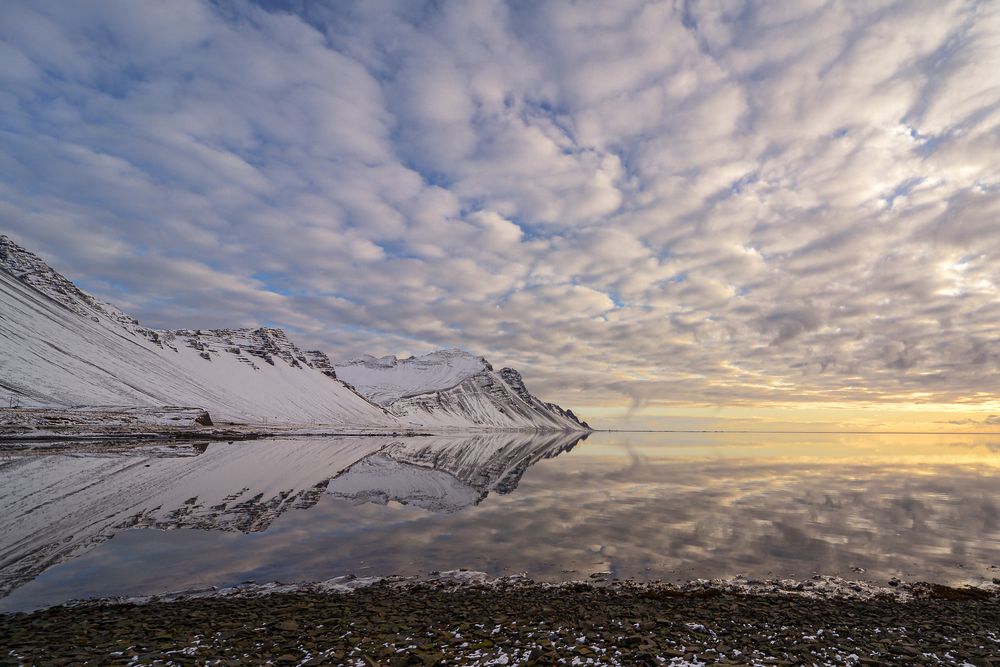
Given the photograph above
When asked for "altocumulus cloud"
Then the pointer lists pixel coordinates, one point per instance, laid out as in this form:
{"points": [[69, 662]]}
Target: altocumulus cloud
{"points": [[657, 202]]}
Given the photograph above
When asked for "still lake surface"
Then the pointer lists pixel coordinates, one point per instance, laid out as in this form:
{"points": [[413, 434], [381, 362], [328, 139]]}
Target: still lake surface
{"points": [[83, 521]]}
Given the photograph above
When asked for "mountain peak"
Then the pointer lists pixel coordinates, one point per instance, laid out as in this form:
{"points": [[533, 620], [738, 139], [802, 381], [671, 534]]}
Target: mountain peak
{"points": [[453, 388], [514, 381]]}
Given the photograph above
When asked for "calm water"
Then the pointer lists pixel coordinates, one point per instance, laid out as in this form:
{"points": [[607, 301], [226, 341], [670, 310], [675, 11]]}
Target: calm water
{"points": [[649, 506]]}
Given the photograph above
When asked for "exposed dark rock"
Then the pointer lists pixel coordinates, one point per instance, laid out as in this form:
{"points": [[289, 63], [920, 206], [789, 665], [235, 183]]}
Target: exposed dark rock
{"points": [[321, 362]]}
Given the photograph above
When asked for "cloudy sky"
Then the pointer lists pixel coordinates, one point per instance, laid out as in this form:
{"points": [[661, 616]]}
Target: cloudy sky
{"points": [[662, 212]]}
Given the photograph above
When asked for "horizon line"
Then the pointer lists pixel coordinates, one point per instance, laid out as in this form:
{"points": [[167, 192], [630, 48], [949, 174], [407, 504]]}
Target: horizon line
{"points": [[627, 430]]}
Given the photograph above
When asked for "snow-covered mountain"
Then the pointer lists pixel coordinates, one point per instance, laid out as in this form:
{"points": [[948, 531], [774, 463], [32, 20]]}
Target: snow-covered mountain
{"points": [[387, 379], [54, 507], [451, 388], [59, 346]]}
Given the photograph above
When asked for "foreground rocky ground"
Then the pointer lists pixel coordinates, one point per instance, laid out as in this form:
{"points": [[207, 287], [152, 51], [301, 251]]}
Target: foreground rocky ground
{"points": [[522, 623]]}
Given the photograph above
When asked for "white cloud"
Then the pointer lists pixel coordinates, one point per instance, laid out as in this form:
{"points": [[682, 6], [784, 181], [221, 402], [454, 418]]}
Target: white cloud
{"points": [[633, 202]]}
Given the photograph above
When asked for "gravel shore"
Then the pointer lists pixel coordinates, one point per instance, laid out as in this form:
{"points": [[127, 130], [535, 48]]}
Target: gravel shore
{"points": [[428, 623]]}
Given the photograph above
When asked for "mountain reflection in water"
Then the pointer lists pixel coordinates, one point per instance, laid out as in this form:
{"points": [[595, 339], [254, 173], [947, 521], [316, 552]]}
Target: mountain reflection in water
{"points": [[54, 507], [649, 506]]}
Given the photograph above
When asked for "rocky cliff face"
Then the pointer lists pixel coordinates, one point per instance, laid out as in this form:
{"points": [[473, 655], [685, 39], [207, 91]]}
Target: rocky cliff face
{"points": [[321, 362], [250, 346]]}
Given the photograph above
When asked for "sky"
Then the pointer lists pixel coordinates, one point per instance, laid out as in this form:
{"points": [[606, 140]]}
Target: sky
{"points": [[665, 214]]}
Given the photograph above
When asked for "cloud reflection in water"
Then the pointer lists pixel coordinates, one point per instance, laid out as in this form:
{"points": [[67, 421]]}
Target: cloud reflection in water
{"points": [[670, 506]]}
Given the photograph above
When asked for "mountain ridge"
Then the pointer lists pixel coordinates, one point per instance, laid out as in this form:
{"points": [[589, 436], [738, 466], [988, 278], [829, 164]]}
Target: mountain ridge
{"points": [[442, 387], [63, 347]]}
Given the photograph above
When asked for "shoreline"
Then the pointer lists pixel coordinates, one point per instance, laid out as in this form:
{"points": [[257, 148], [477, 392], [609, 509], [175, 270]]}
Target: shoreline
{"points": [[827, 587], [24, 426], [465, 618], [818, 586], [208, 435]]}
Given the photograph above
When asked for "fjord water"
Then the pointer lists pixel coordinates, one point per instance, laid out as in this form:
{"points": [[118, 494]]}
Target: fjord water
{"points": [[84, 521]]}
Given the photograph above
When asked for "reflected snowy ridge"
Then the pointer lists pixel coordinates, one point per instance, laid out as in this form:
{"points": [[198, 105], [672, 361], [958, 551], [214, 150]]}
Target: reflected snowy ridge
{"points": [[54, 507]]}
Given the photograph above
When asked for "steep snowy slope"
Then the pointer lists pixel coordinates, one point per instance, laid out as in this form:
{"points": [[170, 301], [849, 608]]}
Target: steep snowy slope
{"points": [[61, 347], [454, 389]]}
